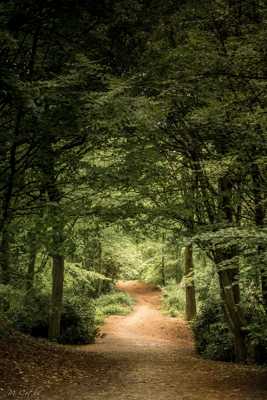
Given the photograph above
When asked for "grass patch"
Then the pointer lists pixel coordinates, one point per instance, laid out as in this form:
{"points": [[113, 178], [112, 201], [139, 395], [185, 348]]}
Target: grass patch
{"points": [[114, 303], [173, 300]]}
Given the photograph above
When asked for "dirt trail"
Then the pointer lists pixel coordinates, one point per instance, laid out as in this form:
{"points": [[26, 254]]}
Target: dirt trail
{"points": [[149, 356], [145, 327], [143, 356]]}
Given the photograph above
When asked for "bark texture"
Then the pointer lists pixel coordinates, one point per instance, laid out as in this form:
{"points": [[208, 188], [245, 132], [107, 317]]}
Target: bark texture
{"points": [[190, 285], [57, 297]]}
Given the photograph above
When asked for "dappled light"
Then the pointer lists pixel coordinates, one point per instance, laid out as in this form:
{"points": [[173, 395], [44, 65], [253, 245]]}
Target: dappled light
{"points": [[133, 223]]}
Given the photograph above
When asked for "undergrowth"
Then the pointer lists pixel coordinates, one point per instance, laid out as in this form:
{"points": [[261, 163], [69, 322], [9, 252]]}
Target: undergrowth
{"points": [[173, 300], [30, 314], [114, 303]]}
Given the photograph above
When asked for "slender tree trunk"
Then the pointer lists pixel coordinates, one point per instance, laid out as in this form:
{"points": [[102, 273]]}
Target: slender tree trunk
{"points": [[162, 265], [229, 277], [6, 214], [31, 267], [178, 271], [100, 266], [190, 307], [4, 258], [263, 277], [258, 190], [234, 316], [57, 297], [162, 270], [57, 277], [57, 223], [57, 272]]}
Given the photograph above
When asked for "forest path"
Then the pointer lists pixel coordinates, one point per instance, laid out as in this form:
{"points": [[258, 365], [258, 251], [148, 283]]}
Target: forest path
{"points": [[148, 356], [142, 356], [146, 327]]}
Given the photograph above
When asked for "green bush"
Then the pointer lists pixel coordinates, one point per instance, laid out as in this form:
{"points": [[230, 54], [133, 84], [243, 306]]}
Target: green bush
{"points": [[114, 298], [22, 313], [174, 299], [256, 331], [30, 315], [78, 322], [10, 298], [115, 309], [212, 336], [115, 303], [151, 274]]}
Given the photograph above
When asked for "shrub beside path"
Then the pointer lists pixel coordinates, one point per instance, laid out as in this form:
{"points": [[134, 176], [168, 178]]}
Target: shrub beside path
{"points": [[142, 356]]}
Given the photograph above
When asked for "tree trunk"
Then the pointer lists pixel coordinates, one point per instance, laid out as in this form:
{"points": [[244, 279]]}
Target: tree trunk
{"points": [[57, 224], [178, 270], [229, 277], [190, 307], [234, 316], [57, 273], [100, 267], [162, 264], [31, 267], [57, 297], [6, 213], [263, 275], [258, 190], [162, 270], [4, 258]]}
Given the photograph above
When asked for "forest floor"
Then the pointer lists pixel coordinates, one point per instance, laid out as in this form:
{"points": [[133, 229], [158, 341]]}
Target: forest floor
{"points": [[142, 356]]}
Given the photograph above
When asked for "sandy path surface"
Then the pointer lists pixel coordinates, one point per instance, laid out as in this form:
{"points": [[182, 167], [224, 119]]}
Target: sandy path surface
{"points": [[149, 356], [145, 327], [142, 356]]}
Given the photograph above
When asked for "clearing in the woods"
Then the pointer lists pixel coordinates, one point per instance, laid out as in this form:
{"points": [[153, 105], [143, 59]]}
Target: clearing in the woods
{"points": [[142, 356]]}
